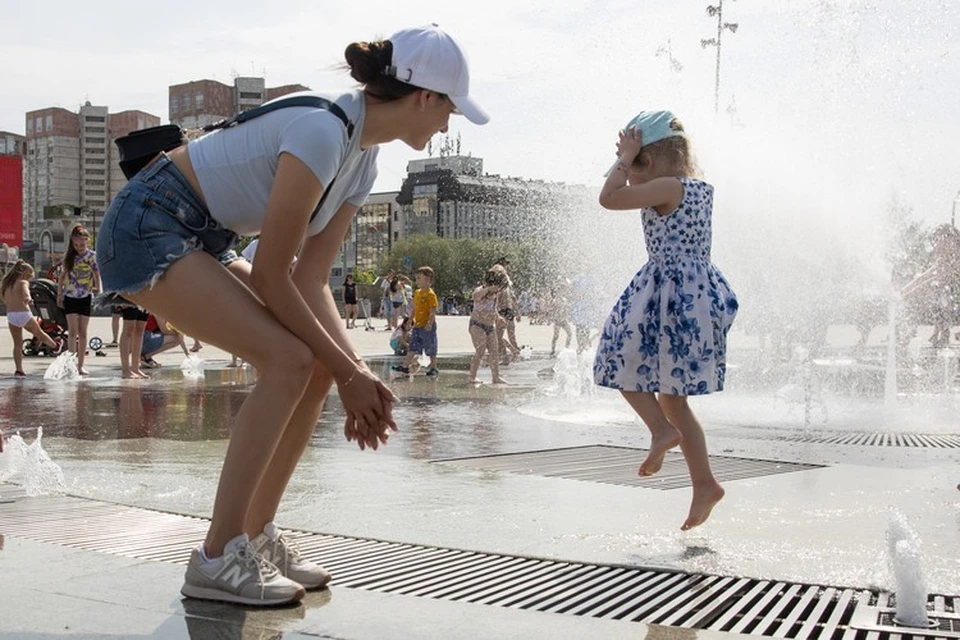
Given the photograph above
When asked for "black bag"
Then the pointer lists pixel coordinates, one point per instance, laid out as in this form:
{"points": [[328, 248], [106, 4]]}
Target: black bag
{"points": [[140, 147]]}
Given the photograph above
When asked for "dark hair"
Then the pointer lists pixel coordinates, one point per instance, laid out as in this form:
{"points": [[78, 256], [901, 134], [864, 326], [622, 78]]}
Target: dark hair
{"points": [[674, 151], [394, 284], [71, 255], [368, 63], [19, 269], [427, 271]]}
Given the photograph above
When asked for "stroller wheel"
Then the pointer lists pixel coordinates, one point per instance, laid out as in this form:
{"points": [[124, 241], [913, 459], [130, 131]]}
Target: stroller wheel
{"points": [[96, 343], [28, 347]]}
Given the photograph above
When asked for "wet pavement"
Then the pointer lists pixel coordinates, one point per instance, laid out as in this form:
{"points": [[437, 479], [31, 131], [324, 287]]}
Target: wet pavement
{"points": [[158, 444]]}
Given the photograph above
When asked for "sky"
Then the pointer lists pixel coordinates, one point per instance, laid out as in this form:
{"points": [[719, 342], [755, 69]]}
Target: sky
{"points": [[839, 105]]}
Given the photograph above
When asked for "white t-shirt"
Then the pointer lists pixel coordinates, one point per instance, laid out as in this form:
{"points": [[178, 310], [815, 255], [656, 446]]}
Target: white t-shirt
{"points": [[250, 251], [236, 167]]}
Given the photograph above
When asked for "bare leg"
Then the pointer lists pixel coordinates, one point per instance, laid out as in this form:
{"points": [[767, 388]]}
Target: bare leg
{"points": [[493, 349], [663, 435], [17, 334], [136, 348], [73, 324], [512, 336], [296, 437], [479, 339], [82, 322], [707, 492], [185, 295], [34, 327], [115, 326], [126, 350]]}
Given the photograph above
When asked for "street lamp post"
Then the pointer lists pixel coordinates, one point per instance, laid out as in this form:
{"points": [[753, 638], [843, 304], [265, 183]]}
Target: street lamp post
{"points": [[717, 11]]}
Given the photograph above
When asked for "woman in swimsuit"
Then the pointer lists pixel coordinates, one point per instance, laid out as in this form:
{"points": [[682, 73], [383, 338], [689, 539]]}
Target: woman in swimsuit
{"points": [[483, 323]]}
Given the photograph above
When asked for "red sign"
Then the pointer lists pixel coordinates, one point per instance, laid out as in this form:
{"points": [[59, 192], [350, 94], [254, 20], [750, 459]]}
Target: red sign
{"points": [[11, 200]]}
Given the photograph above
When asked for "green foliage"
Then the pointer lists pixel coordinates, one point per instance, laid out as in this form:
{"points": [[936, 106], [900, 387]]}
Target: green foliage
{"points": [[365, 276], [459, 264]]}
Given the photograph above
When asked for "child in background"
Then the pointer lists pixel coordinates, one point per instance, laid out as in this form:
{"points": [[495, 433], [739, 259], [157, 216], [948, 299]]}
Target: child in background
{"points": [[423, 338], [400, 340], [666, 336], [483, 323], [15, 291], [78, 282]]}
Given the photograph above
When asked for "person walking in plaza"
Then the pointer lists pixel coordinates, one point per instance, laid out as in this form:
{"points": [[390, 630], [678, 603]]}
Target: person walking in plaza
{"points": [[15, 291], [423, 336], [483, 323], [350, 301], [166, 244], [665, 338], [79, 281], [386, 309]]}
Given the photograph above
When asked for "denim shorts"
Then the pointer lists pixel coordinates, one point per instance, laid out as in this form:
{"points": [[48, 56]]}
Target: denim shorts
{"points": [[423, 341], [152, 340], [155, 220]]}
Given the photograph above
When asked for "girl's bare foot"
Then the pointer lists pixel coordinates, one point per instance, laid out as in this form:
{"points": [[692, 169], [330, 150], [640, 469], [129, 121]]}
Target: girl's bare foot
{"points": [[141, 375], [704, 500], [82, 371], [500, 381], [19, 374], [127, 375], [660, 443]]}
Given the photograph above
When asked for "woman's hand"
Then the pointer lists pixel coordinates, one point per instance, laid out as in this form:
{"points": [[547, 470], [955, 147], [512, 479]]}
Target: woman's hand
{"points": [[369, 406], [631, 141]]}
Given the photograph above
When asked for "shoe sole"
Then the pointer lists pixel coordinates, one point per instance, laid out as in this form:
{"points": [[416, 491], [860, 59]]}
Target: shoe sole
{"points": [[203, 593], [315, 587]]}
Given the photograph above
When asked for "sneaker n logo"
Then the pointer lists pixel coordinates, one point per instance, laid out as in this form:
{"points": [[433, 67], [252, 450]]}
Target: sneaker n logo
{"points": [[235, 575]]}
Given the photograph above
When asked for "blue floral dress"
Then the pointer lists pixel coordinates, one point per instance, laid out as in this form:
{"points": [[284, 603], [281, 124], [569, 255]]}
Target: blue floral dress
{"points": [[668, 331]]}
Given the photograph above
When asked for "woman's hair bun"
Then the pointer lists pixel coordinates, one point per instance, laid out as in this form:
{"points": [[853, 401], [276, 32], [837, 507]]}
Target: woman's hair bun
{"points": [[367, 60]]}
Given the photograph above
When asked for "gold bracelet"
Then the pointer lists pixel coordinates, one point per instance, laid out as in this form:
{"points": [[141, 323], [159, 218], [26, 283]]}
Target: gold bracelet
{"points": [[354, 375]]}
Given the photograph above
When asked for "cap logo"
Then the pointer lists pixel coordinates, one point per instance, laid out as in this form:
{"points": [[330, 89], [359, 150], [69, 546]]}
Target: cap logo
{"points": [[394, 72]]}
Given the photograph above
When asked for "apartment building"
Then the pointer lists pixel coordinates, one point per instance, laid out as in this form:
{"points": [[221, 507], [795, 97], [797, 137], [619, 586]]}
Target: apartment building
{"points": [[199, 103], [70, 162]]}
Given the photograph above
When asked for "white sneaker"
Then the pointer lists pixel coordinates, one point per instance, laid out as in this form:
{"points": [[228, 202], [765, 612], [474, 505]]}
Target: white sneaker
{"points": [[279, 549], [241, 576]]}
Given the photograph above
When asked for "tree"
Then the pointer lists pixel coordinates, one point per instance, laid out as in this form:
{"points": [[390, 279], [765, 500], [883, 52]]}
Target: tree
{"points": [[459, 264]]}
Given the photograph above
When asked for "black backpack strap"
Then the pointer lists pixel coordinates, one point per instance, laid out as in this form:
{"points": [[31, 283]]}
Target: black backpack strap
{"points": [[294, 101]]}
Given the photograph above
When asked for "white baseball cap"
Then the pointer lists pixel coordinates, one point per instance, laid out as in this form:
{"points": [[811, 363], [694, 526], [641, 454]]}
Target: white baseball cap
{"points": [[429, 58]]}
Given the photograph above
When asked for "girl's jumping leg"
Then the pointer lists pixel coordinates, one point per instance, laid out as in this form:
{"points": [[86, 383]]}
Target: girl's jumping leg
{"points": [[663, 435], [707, 492]]}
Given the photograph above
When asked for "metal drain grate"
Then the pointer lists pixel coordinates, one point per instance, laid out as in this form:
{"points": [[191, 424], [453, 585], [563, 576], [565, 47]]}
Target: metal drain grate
{"points": [[618, 465], [881, 617], [859, 438], [719, 603]]}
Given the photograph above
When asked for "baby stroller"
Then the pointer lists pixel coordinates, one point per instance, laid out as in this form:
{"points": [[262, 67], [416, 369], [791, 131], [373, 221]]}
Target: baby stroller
{"points": [[50, 318]]}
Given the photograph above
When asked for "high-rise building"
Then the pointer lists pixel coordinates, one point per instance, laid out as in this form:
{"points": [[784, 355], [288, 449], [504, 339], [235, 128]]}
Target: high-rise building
{"points": [[199, 103], [451, 197], [71, 162]]}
